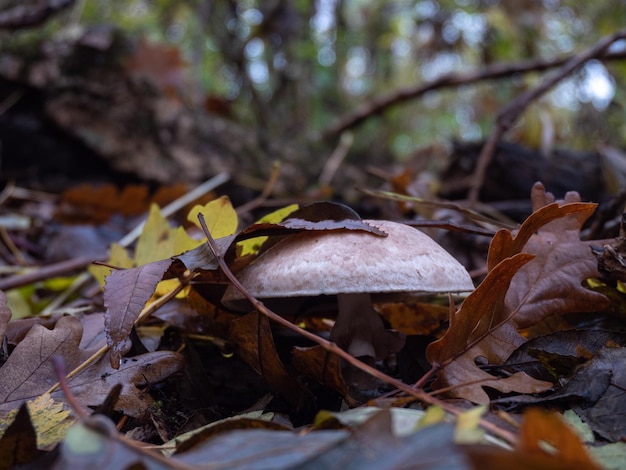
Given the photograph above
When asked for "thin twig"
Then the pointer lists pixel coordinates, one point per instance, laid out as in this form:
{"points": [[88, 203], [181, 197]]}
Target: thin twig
{"points": [[60, 369], [334, 349], [455, 79], [336, 158], [267, 191], [46, 272]]}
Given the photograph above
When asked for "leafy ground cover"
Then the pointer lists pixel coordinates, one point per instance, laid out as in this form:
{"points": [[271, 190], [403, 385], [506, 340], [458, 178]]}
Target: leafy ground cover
{"points": [[134, 360]]}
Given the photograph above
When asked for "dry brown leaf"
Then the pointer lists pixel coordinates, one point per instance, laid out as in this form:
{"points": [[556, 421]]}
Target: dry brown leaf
{"points": [[525, 293], [136, 374], [481, 328], [29, 372], [552, 283]]}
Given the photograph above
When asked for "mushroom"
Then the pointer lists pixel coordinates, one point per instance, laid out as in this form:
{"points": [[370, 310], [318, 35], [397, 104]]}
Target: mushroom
{"points": [[353, 265]]}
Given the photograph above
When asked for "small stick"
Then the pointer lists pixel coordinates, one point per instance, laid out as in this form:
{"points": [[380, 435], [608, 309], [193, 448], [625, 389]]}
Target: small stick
{"points": [[267, 191], [336, 158]]}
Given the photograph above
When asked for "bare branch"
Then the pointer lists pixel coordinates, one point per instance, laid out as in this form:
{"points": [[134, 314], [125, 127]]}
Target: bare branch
{"points": [[380, 104], [509, 115]]}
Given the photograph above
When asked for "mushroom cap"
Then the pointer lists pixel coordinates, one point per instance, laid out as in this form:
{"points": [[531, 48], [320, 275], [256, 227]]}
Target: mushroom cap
{"points": [[342, 262]]}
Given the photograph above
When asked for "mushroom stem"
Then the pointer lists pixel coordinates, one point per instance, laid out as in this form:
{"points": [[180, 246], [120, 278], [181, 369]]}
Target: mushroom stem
{"points": [[360, 331]]}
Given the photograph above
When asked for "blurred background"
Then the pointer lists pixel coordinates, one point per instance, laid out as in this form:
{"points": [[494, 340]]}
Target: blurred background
{"points": [[166, 90]]}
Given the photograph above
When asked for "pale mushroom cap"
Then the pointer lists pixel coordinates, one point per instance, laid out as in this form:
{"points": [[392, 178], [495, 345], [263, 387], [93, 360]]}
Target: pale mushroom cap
{"points": [[341, 262]]}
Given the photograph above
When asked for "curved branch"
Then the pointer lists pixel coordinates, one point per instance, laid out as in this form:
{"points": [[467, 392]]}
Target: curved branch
{"points": [[380, 104], [509, 114]]}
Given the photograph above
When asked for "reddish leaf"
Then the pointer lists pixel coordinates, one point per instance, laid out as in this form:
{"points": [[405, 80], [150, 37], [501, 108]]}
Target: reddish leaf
{"points": [[518, 294], [506, 244], [553, 282], [545, 442], [540, 427], [125, 294]]}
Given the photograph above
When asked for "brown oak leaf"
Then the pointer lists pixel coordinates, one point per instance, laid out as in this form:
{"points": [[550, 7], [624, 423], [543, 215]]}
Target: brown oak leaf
{"points": [[29, 372], [552, 283], [481, 328], [518, 294]]}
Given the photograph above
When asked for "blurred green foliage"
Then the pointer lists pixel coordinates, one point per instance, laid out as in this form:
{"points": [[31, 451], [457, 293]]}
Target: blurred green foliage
{"points": [[291, 68]]}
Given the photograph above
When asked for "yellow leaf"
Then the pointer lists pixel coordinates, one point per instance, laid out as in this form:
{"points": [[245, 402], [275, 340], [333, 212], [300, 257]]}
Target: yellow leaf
{"points": [[156, 241], [169, 285], [468, 430], [118, 256], [252, 245], [433, 415], [220, 216], [48, 418], [17, 300], [183, 242]]}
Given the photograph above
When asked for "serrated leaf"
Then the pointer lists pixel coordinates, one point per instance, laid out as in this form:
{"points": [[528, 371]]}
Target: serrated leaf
{"points": [[125, 295], [220, 216]]}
